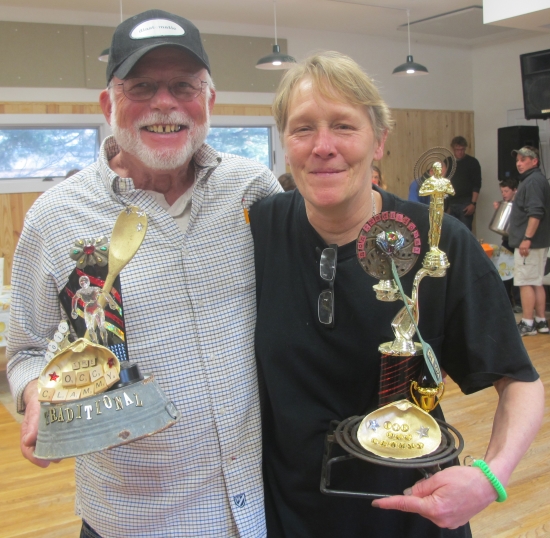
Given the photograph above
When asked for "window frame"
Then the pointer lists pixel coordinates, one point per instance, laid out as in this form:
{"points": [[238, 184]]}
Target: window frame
{"points": [[44, 121]]}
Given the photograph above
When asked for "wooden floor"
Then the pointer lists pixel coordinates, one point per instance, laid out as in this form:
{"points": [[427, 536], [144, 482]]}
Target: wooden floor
{"points": [[38, 503]]}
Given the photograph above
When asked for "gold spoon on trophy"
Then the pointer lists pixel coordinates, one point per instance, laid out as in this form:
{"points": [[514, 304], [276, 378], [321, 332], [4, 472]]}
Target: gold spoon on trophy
{"points": [[127, 235]]}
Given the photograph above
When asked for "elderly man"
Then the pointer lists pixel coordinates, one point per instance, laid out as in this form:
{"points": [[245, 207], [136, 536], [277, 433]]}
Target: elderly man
{"points": [[466, 183], [529, 235], [188, 295]]}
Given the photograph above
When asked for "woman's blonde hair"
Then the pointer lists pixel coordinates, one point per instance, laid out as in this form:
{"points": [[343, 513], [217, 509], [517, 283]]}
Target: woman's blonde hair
{"points": [[336, 77]]}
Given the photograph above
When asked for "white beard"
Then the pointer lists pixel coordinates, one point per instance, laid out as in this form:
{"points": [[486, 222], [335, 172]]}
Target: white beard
{"points": [[128, 138]]}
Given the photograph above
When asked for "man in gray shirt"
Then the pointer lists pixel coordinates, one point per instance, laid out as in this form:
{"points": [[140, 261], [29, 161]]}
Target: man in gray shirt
{"points": [[530, 236]]}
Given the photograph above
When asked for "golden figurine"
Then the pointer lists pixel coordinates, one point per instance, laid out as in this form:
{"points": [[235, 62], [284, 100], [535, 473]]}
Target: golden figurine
{"points": [[437, 188]]}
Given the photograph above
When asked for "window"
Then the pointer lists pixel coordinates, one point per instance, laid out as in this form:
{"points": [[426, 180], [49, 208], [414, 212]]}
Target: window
{"points": [[46, 152], [59, 143], [255, 137], [251, 142]]}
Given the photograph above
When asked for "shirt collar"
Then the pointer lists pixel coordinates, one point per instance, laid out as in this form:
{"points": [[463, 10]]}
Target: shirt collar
{"points": [[205, 159], [527, 173]]}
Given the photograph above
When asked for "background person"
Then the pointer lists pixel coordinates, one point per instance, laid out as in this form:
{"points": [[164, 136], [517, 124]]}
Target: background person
{"points": [[187, 323], [466, 183], [327, 367], [72, 172], [529, 235], [377, 177], [508, 188], [287, 182]]}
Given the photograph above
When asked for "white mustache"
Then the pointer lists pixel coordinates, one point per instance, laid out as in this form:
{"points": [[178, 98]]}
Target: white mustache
{"points": [[174, 118]]}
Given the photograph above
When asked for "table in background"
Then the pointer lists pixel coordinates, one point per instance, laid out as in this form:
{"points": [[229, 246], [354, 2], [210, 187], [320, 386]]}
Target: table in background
{"points": [[502, 258]]}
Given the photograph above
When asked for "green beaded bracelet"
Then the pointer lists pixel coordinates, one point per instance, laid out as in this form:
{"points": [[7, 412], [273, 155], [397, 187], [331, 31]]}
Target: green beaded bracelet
{"points": [[495, 482]]}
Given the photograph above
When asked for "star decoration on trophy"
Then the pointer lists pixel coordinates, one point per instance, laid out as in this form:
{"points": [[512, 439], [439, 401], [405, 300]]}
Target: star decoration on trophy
{"points": [[373, 425], [423, 431]]}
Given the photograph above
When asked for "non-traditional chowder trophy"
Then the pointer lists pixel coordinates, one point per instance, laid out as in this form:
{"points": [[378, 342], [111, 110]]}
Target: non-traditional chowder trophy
{"points": [[401, 432], [92, 397]]}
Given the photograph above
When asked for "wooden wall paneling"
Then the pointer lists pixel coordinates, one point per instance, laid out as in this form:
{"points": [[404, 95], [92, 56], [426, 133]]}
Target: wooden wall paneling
{"points": [[242, 110], [13, 208], [14, 107], [416, 131]]}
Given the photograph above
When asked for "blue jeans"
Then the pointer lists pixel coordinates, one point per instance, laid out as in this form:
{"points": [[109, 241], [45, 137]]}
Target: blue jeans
{"points": [[457, 211]]}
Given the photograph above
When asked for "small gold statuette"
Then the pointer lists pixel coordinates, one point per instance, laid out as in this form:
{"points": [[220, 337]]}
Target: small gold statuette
{"points": [[400, 430], [437, 188]]}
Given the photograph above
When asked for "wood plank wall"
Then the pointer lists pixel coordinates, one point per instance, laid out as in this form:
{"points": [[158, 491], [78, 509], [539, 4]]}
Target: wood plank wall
{"points": [[415, 131]]}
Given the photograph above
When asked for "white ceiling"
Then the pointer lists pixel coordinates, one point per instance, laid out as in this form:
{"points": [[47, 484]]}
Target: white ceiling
{"points": [[432, 21]]}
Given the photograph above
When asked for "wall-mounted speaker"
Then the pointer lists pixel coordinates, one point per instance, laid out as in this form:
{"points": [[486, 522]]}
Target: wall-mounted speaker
{"points": [[535, 77], [510, 138]]}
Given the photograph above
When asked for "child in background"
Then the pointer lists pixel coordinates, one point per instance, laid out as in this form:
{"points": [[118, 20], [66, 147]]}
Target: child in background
{"points": [[508, 189], [377, 177]]}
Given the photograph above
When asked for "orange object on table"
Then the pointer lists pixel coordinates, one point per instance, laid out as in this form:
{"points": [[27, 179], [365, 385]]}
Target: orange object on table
{"points": [[488, 249]]}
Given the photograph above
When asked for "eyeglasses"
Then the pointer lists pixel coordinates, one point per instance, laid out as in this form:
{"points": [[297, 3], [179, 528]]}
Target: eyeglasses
{"points": [[327, 270], [184, 88]]}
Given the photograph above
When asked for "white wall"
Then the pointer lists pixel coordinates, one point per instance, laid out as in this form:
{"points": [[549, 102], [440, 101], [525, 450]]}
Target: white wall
{"points": [[497, 89], [449, 85]]}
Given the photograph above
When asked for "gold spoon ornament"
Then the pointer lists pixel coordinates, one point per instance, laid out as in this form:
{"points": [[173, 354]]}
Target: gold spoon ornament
{"points": [[127, 235]]}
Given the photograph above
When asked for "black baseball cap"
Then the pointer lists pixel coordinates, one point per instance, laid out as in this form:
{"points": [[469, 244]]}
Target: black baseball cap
{"points": [[142, 33]]}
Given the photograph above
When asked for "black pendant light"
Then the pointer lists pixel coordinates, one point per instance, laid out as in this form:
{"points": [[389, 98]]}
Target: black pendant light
{"points": [[276, 60], [409, 68], [104, 56]]}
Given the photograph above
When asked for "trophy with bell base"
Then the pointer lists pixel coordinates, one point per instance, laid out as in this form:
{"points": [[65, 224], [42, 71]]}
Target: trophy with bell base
{"points": [[401, 432], [92, 397]]}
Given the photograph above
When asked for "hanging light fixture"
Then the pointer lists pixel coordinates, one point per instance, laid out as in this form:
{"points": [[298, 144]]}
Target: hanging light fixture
{"points": [[409, 68], [276, 60], [104, 56]]}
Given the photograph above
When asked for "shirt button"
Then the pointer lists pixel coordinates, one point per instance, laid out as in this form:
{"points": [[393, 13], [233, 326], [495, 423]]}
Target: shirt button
{"points": [[185, 251], [200, 303], [223, 411]]}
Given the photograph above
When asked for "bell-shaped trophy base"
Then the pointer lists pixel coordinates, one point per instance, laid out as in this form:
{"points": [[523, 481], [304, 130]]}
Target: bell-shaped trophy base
{"points": [[103, 421], [344, 435]]}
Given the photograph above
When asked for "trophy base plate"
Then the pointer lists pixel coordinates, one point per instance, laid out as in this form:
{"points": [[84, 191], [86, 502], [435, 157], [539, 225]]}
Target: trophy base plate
{"points": [[344, 434], [103, 421]]}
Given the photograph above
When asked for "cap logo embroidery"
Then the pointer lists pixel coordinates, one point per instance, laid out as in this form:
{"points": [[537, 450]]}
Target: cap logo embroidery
{"points": [[156, 28]]}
